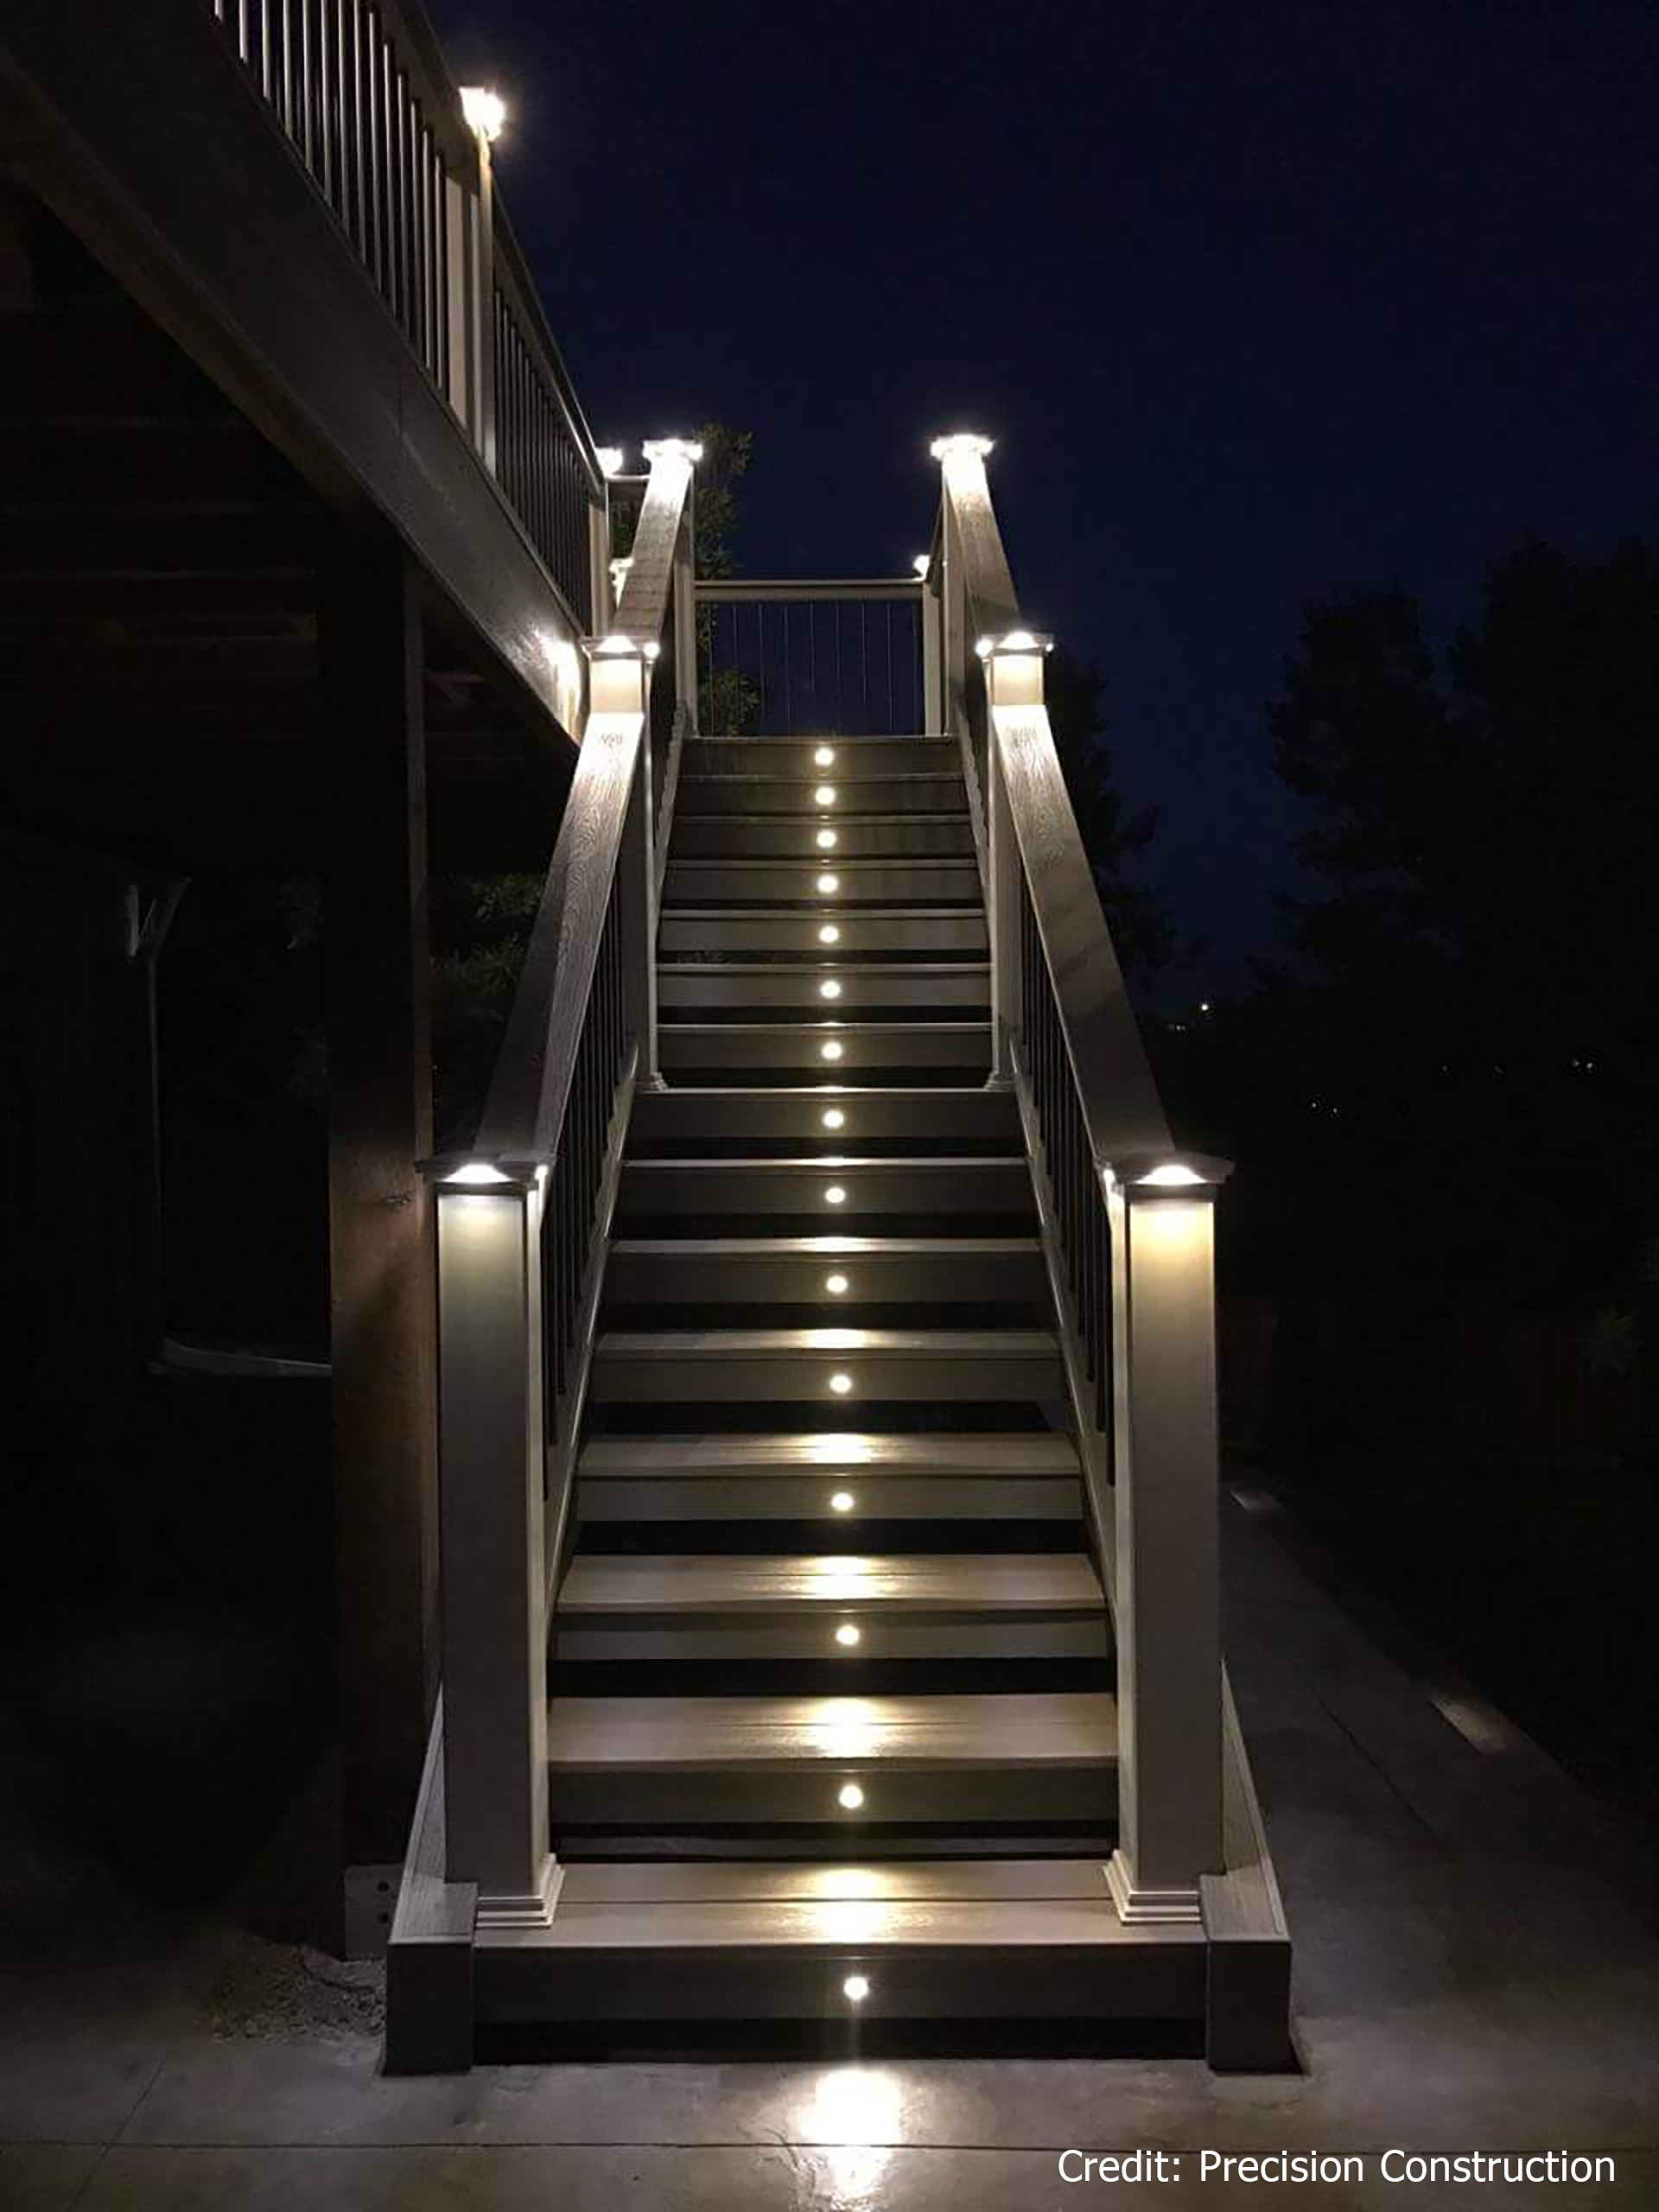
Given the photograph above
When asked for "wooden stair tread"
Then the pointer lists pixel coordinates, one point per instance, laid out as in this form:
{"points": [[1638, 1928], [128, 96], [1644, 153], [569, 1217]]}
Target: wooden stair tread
{"points": [[875, 1926], [747, 1344], [846, 1248], [935, 1582], [954, 1734], [821, 1451], [781, 1881]]}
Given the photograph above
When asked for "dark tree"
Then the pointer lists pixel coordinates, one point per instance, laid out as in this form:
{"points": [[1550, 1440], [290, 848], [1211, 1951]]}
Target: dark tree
{"points": [[1114, 837]]}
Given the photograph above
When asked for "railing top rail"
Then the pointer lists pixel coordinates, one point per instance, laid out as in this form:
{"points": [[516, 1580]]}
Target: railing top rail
{"points": [[1108, 1062], [524, 1112], [729, 588], [513, 273]]}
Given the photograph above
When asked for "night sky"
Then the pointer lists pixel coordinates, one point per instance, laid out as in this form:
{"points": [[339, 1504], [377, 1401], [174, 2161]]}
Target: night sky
{"points": [[1255, 299]]}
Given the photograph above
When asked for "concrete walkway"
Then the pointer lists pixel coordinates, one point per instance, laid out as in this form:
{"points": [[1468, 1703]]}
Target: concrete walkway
{"points": [[1474, 1973]]}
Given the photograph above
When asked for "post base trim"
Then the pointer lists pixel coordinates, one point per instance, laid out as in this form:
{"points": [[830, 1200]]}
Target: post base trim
{"points": [[1138, 1908], [532, 1909]]}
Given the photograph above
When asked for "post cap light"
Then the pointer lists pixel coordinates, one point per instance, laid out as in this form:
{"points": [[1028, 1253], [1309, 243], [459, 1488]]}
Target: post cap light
{"points": [[473, 1173], [921, 562], [611, 459], [961, 444], [656, 449], [1172, 1174], [1016, 641], [484, 111]]}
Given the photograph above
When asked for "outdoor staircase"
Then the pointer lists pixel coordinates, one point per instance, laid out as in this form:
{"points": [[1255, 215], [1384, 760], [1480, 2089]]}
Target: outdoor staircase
{"points": [[832, 1722]]}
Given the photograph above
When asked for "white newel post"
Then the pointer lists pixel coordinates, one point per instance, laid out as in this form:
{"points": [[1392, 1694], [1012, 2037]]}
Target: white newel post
{"points": [[932, 618], [1166, 1475], [1013, 688], [472, 296], [619, 680], [492, 1480]]}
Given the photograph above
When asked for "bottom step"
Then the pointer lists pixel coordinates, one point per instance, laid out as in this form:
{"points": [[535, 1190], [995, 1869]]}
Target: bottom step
{"points": [[932, 1939]]}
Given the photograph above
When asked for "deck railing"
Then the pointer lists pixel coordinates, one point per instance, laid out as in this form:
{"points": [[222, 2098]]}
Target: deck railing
{"points": [[1128, 1220], [362, 92], [844, 657], [524, 1219]]}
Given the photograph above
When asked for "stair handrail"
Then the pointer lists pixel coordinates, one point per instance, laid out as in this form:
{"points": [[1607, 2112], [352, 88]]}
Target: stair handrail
{"points": [[1127, 1221], [523, 1220]]}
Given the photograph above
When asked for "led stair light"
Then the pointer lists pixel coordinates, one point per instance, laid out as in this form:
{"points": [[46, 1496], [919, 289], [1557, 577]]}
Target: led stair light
{"points": [[827, 841], [833, 1118], [835, 1196], [836, 1286], [830, 1052], [829, 934], [840, 1383], [844, 1502], [847, 1634], [849, 1797], [829, 990], [823, 757], [825, 795], [856, 1988], [829, 885]]}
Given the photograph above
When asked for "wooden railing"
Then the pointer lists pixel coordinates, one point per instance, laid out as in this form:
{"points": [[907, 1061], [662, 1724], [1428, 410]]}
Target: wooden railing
{"points": [[361, 91], [523, 1221], [1127, 1218], [840, 657]]}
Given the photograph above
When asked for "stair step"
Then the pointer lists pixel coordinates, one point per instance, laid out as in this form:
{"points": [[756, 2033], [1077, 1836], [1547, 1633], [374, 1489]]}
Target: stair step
{"points": [[942, 1114], [825, 984], [878, 1270], [704, 1047], [932, 1938], [651, 1188], [786, 930], [822, 838], [798, 756], [764, 1607], [728, 882], [921, 1759], [807, 1475], [857, 790], [742, 1365]]}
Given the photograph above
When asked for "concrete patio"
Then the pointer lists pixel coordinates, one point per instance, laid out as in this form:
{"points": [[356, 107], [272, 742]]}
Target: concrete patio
{"points": [[1475, 1972]]}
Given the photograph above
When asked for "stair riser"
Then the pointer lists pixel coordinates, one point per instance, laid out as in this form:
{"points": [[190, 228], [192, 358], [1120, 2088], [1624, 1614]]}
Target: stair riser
{"points": [[793, 756], [804, 1378], [651, 1188], [910, 1798], [688, 1049], [749, 1498], [1155, 1978], [1001, 1638], [918, 883], [687, 1117], [702, 1278], [751, 795], [921, 836], [683, 932], [966, 993]]}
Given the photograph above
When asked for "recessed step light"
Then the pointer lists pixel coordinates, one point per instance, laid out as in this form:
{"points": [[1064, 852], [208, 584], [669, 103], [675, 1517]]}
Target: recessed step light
{"points": [[841, 1384], [836, 1286], [830, 1052], [829, 990], [826, 840], [849, 1797], [829, 934], [856, 1988], [843, 1500], [847, 1634], [825, 795], [823, 757], [834, 1195], [833, 1118]]}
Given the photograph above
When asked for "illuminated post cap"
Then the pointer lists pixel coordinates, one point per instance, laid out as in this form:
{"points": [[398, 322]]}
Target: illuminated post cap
{"points": [[960, 445], [484, 111], [685, 449], [1170, 1174]]}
